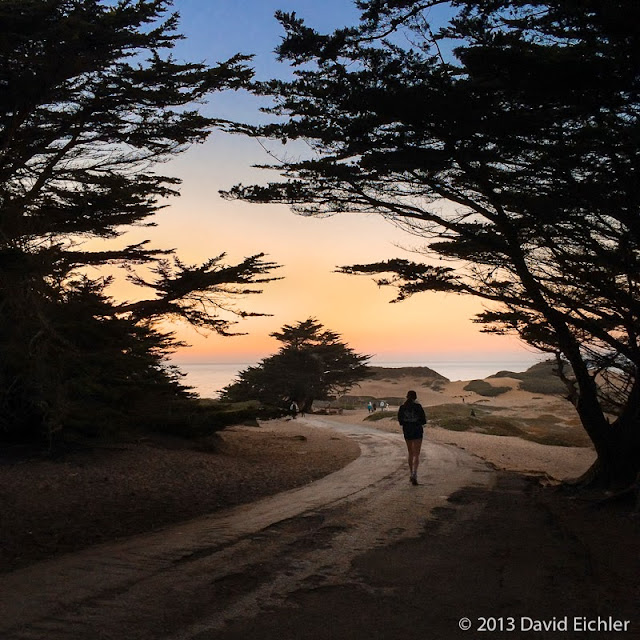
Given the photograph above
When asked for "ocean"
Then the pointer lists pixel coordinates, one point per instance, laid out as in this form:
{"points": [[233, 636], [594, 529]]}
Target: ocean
{"points": [[208, 378]]}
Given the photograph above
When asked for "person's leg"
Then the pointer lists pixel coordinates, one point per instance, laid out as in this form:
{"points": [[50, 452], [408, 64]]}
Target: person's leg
{"points": [[410, 455], [416, 446]]}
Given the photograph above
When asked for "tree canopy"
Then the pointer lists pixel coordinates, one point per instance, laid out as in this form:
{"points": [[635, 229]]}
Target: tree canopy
{"points": [[312, 364], [506, 141], [91, 102]]}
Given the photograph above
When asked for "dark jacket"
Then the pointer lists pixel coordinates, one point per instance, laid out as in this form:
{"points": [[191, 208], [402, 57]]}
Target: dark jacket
{"points": [[411, 413]]}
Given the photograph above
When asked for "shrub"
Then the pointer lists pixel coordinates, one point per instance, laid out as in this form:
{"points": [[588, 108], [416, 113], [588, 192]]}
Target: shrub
{"points": [[540, 378], [547, 385], [483, 388], [208, 416]]}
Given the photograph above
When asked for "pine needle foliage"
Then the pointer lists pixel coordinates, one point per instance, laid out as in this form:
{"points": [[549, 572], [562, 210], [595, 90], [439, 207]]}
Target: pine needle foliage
{"points": [[91, 103]]}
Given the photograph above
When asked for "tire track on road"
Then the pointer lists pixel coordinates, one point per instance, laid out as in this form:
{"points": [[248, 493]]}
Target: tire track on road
{"points": [[236, 561]]}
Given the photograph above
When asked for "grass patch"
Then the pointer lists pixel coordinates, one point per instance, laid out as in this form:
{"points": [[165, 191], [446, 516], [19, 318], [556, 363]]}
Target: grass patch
{"points": [[551, 430], [466, 423], [434, 385], [481, 422], [546, 429], [380, 415], [496, 426], [459, 410]]}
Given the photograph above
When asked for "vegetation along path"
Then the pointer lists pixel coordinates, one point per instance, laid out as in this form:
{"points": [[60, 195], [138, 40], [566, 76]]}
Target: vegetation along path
{"points": [[360, 553]]}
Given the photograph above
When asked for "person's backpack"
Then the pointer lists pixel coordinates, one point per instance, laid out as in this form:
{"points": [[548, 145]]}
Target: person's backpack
{"points": [[411, 413]]}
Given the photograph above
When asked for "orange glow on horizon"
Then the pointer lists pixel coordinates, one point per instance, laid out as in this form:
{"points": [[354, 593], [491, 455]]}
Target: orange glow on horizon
{"points": [[200, 225]]}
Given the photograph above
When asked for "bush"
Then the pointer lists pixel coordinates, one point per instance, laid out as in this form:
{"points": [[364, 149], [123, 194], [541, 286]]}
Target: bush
{"points": [[483, 388], [540, 378], [204, 417], [544, 385]]}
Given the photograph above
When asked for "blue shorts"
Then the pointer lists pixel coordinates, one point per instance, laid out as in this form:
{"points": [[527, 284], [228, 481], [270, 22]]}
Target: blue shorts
{"points": [[412, 431]]}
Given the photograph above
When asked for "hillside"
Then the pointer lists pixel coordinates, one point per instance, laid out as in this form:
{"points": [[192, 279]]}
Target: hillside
{"points": [[393, 373], [530, 405]]}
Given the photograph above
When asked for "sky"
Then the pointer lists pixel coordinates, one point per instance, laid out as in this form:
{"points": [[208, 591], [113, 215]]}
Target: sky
{"points": [[200, 224]]}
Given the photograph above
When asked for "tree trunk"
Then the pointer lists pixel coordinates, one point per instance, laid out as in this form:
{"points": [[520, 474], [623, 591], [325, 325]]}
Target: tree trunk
{"points": [[617, 444], [618, 449]]}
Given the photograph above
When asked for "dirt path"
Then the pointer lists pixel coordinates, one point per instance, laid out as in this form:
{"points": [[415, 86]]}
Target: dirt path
{"points": [[192, 577], [358, 554]]}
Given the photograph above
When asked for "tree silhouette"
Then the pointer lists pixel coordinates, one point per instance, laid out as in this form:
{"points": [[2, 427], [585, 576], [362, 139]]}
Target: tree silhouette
{"points": [[90, 103], [312, 364], [507, 143]]}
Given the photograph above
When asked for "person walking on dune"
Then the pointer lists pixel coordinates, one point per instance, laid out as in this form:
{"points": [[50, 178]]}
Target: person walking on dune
{"points": [[412, 418]]}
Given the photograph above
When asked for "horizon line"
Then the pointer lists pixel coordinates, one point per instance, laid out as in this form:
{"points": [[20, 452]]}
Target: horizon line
{"points": [[377, 362]]}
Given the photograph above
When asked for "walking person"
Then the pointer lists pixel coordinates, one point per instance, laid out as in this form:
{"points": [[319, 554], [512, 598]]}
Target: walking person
{"points": [[412, 418], [294, 409]]}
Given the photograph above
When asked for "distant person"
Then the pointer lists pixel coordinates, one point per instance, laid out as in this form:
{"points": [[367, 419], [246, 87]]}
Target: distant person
{"points": [[293, 409], [412, 418], [369, 407], [375, 406], [382, 405]]}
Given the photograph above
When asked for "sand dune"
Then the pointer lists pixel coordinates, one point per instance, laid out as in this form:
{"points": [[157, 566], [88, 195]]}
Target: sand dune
{"points": [[544, 411]]}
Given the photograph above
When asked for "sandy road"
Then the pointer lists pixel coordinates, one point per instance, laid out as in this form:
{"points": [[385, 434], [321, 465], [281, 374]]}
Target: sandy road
{"points": [[192, 580]]}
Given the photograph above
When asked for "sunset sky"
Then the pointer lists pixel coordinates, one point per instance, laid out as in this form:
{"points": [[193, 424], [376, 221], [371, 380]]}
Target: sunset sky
{"points": [[200, 224]]}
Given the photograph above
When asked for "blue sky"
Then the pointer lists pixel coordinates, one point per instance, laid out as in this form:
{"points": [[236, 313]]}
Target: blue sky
{"points": [[221, 28]]}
